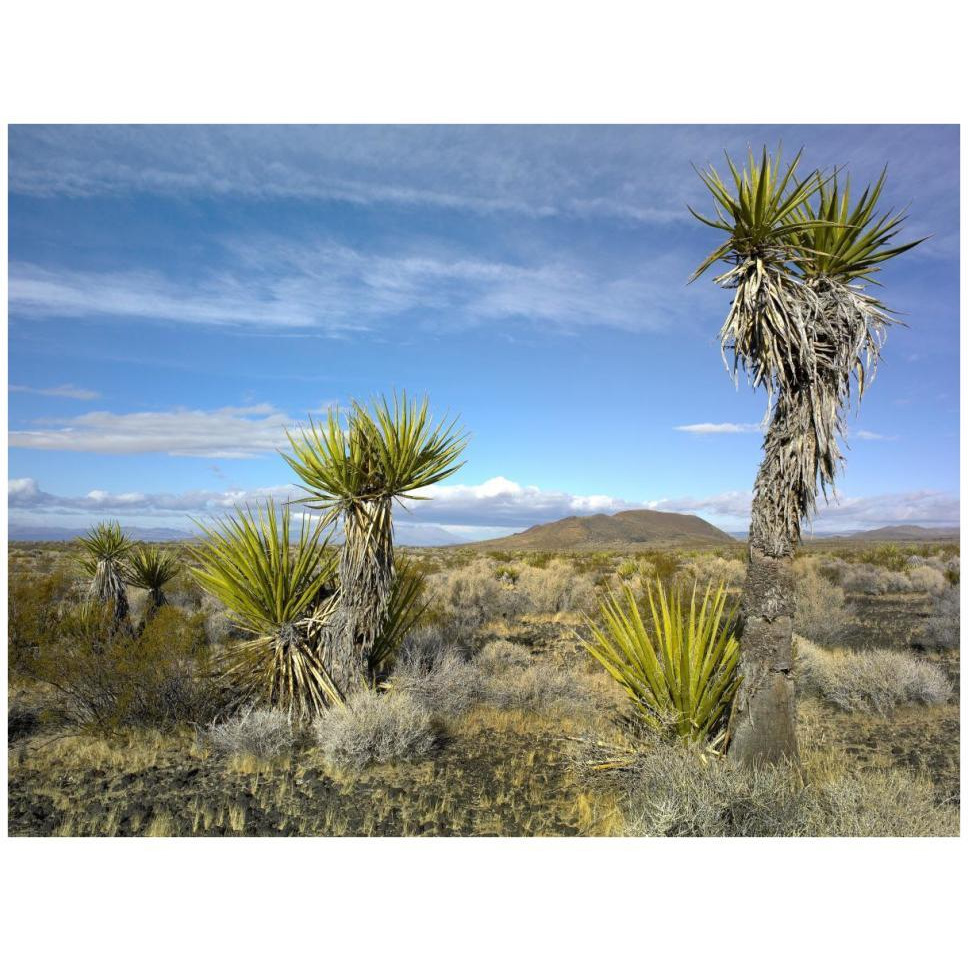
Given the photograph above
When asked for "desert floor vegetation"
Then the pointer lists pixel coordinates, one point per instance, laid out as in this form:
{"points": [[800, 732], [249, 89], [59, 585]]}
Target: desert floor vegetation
{"points": [[493, 717]]}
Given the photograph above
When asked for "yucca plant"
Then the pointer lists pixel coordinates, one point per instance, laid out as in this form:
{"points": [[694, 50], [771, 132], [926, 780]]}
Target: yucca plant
{"points": [[677, 665], [353, 469], [802, 325], [151, 568], [102, 556], [271, 587]]}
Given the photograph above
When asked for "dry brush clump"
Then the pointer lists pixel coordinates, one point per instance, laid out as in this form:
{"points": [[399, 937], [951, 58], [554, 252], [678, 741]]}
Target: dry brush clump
{"points": [[821, 615], [876, 680], [675, 791], [258, 731], [712, 570], [942, 628], [374, 727]]}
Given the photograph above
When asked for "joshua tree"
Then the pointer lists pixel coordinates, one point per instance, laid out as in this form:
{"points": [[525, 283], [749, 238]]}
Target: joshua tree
{"points": [[802, 325], [150, 568], [270, 588], [104, 550], [354, 470]]}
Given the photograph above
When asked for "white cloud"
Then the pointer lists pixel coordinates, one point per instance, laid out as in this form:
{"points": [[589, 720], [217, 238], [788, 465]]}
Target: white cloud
{"points": [[870, 435], [230, 432], [494, 507], [721, 428], [321, 286], [64, 390]]}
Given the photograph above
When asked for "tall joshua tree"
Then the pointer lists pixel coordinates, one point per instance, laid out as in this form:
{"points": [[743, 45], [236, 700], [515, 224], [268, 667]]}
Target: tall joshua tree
{"points": [[803, 326], [354, 469]]}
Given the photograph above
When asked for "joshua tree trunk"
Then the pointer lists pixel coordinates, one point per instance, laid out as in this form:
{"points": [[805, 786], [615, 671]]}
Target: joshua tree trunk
{"points": [[762, 727], [365, 577]]}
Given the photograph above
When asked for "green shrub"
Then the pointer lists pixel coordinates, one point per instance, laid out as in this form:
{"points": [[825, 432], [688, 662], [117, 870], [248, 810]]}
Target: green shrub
{"points": [[107, 679], [681, 674], [34, 607]]}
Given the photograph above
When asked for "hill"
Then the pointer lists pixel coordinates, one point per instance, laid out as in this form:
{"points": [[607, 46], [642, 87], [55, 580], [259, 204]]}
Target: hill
{"points": [[625, 531], [900, 532]]}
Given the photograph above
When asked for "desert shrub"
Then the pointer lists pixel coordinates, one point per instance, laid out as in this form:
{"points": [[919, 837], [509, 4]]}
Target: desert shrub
{"points": [[108, 679], [662, 565], [870, 579], [555, 588], [34, 608], [876, 680], [676, 792], [712, 570], [254, 731], [820, 615], [540, 686], [435, 673], [679, 670], [942, 628], [469, 597], [925, 578], [499, 655], [375, 728]]}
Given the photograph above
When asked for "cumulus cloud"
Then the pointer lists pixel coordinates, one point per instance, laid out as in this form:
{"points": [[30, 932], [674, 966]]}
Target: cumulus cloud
{"points": [[720, 428], [64, 390], [229, 432], [494, 507]]}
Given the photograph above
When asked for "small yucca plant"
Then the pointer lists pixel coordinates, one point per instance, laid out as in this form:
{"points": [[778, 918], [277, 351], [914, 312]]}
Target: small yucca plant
{"points": [[151, 568], [271, 588], [681, 673], [103, 553]]}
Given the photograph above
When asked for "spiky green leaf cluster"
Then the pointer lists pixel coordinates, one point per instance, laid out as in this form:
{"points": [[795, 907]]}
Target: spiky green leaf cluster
{"points": [[384, 452], [105, 542], [678, 666], [270, 587], [757, 211], [248, 564], [150, 567], [833, 240]]}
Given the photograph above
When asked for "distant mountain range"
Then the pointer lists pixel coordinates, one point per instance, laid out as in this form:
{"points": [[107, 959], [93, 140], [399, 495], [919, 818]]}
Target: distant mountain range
{"points": [[627, 530], [414, 535], [896, 532]]}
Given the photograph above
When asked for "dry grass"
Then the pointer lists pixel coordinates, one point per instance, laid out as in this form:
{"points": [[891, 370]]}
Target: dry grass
{"points": [[677, 792]]}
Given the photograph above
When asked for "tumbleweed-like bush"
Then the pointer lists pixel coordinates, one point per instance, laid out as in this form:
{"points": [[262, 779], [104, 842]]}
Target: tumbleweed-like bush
{"points": [[373, 727], [875, 680]]}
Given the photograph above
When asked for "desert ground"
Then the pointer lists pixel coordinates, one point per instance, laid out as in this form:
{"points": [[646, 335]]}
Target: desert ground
{"points": [[495, 719]]}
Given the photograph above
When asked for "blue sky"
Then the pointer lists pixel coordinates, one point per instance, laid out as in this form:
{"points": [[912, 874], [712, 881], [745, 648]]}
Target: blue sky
{"points": [[178, 296]]}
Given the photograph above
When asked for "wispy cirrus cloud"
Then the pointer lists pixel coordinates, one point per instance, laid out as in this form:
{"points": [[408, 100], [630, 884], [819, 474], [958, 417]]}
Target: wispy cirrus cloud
{"points": [[321, 285], [228, 432], [64, 390], [870, 435]]}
